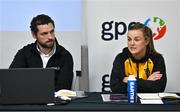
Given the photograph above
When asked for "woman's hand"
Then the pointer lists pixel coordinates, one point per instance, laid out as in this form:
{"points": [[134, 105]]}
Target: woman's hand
{"points": [[125, 79], [155, 76]]}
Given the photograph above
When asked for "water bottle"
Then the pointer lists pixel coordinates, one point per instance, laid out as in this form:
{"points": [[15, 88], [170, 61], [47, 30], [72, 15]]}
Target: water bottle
{"points": [[132, 89]]}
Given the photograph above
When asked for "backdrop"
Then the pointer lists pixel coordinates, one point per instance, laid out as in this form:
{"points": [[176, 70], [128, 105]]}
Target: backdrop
{"points": [[107, 22]]}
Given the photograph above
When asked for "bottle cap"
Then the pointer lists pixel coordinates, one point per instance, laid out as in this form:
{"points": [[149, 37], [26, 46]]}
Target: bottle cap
{"points": [[131, 77]]}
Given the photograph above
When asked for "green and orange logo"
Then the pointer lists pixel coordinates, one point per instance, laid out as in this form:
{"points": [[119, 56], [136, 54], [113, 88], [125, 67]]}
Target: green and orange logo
{"points": [[158, 27]]}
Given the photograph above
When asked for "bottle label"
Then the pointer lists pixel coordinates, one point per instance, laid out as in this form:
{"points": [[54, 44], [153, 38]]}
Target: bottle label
{"points": [[132, 96]]}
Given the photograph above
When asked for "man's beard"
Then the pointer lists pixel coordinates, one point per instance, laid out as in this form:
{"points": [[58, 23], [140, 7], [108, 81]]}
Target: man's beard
{"points": [[47, 45]]}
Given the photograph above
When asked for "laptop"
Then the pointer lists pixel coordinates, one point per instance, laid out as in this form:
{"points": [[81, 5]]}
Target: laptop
{"points": [[27, 86]]}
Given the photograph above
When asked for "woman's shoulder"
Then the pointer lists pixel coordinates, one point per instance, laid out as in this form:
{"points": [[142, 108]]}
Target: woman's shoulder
{"points": [[122, 55], [157, 56]]}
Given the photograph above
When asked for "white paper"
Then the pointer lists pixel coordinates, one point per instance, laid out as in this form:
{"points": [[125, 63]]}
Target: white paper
{"points": [[149, 96], [151, 101], [69, 93], [106, 97], [65, 92], [168, 95]]}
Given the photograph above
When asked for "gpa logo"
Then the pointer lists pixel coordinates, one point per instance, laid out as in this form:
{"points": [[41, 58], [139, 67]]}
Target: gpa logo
{"points": [[158, 27]]}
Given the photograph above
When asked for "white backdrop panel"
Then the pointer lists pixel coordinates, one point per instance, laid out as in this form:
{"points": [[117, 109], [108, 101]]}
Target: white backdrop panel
{"points": [[102, 53]]}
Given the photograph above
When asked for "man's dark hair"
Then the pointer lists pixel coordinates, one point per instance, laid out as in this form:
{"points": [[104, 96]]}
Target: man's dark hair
{"points": [[40, 20]]}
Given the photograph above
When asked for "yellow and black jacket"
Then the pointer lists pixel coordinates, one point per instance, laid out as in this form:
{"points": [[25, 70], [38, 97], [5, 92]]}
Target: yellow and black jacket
{"points": [[125, 64]]}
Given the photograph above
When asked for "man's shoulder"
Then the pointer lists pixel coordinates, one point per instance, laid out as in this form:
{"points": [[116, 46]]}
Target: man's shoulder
{"points": [[28, 47], [62, 50]]}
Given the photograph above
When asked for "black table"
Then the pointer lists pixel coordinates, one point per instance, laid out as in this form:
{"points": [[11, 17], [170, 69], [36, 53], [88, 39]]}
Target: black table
{"points": [[94, 102]]}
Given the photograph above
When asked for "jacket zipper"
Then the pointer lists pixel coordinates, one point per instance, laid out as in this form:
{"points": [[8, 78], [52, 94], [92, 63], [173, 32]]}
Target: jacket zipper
{"points": [[137, 66]]}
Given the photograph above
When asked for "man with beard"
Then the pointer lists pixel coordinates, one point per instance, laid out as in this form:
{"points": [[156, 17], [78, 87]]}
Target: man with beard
{"points": [[45, 52]]}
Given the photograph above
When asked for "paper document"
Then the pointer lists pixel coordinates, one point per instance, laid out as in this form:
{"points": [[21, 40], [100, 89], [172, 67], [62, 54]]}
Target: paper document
{"points": [[65, 92], [149, 96], [156, 98], [157, 101], [169, 95], [69, 93], [105, 97], [158, 95]]}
